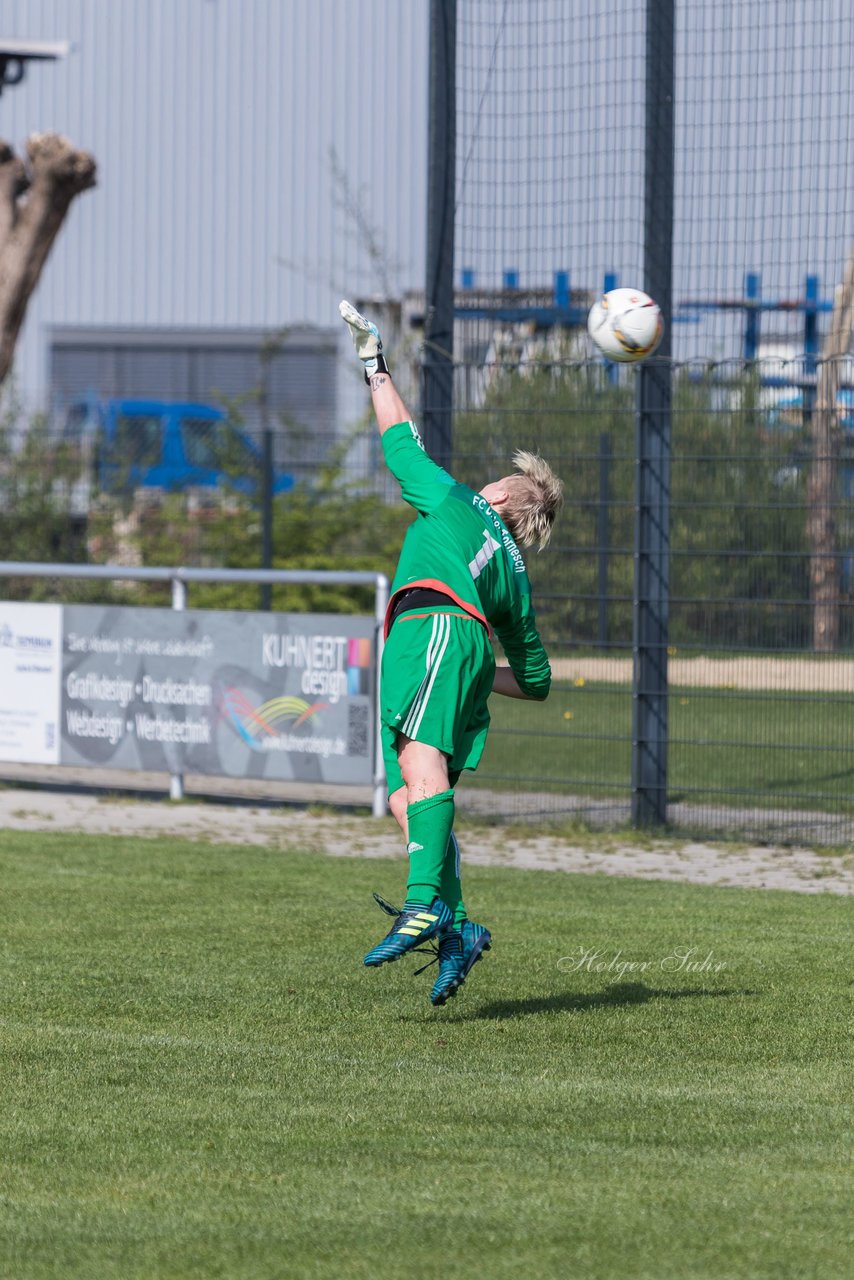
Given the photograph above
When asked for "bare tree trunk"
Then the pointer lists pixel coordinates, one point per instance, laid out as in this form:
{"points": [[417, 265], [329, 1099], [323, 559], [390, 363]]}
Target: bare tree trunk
{"points": [[821, 483], [29, 223]]}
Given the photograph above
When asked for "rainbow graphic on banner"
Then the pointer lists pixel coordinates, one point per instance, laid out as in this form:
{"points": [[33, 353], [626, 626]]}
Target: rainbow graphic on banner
{"points": [[252, 723]]}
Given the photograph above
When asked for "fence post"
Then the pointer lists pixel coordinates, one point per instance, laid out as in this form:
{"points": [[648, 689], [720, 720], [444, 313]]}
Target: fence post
{"points": [[381, 590], [179, 603], [652, 431], [437, 368], [266, 600], [602, 536]]}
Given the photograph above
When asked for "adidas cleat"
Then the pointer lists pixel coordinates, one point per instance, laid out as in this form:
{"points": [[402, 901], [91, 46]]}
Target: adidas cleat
{"points": [[476, 940], [430, 949], [413, 927], [451, 966], [459, 950]]}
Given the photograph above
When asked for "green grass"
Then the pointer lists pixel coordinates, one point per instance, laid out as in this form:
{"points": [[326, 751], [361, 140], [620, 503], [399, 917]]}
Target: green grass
{"points": [[200, 1079], [779, 751]]}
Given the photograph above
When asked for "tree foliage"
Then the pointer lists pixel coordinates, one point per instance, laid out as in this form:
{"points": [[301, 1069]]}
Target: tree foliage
{"points": [[35, 485]]}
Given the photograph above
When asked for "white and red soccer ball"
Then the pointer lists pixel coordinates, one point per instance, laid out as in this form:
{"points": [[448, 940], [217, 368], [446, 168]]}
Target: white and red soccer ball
{"points": [[626, 325]]}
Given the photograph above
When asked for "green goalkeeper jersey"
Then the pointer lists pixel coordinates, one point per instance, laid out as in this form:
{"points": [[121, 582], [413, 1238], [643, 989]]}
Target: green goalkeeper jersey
{"points": [[459, 545]]}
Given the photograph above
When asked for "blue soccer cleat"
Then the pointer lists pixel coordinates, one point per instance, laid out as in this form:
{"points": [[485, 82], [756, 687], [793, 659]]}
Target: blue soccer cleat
{"points": [[476, 940], [411, 929], [451, 966], [459, 950], [473, 938]]}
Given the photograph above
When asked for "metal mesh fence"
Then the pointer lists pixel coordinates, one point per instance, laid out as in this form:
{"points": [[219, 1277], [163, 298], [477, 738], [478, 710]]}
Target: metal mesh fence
{"points": [[550, 209], [550, 161], [760, 726], [764, 107]]}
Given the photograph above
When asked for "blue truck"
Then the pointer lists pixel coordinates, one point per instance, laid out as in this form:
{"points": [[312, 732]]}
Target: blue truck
{"points": [[138, 444]]}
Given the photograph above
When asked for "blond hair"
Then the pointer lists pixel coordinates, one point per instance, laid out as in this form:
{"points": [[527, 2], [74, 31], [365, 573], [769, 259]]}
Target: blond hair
{"points": [[535, 495]]}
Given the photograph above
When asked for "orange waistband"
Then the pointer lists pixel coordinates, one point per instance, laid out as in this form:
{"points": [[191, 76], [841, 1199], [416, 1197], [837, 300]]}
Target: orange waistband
{"points": [[468, 610], [405, 617]]}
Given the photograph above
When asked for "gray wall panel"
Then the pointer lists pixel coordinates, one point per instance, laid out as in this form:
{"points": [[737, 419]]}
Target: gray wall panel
{"points": [[214, 123]]}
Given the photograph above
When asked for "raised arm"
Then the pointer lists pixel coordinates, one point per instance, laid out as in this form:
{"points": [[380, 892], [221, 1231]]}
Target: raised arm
{"points": [[423, 484], [388, 406]]}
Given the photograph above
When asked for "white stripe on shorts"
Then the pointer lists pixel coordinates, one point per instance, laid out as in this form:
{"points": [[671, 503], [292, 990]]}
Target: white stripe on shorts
{"points": [[404, 729], [444, 635], [435, 653]]}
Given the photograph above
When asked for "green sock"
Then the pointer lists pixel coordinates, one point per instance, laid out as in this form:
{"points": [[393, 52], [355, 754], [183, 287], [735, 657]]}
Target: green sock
{"points": [[430, 822], [451, 888]]}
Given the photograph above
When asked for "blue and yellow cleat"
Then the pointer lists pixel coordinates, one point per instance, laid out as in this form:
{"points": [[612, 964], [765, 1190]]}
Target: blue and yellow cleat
{"points": [[451, 966], [476, 940], [459, 949], [413, 927]]}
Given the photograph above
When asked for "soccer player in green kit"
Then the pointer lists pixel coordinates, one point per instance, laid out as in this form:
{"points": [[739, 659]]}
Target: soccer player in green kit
{"points": [[460, 576]]}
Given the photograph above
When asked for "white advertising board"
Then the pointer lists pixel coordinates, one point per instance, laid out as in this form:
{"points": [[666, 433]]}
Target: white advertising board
{"points": [[30, 675]]}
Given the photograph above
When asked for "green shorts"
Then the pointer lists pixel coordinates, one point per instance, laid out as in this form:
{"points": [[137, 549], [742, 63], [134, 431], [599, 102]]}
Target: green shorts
{"points": [[437, 672]]}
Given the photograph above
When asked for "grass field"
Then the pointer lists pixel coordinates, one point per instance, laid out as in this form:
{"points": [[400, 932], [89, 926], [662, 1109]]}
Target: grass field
{"points": [[777, 750], [200, 1079]]}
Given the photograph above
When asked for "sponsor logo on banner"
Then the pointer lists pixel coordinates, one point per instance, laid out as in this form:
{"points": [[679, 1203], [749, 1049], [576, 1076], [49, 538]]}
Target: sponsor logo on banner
{"points": [[259, 726], [30, 646]]}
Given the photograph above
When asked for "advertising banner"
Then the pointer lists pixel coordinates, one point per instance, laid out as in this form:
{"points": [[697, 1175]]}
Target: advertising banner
{"points": [[251, 695], [30, 666]]}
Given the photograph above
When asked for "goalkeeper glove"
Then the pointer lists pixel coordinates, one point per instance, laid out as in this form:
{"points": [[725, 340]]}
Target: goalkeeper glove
{"points": [[366, 339]]}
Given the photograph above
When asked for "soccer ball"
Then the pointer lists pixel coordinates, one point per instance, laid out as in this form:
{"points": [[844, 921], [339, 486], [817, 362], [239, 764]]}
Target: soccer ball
{"points": [[625, 324]]}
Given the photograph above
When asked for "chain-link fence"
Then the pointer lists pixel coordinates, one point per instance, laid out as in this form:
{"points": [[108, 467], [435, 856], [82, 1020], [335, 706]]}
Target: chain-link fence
{"points": [[760, 727], [698, 597]]}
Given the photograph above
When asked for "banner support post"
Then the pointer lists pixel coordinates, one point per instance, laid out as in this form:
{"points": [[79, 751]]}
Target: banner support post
{"points": [[379, 807], [179, 604]]}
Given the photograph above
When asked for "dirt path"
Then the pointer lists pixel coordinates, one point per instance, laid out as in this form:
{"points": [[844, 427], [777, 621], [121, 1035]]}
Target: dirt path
{"points": [[799, 869]]}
